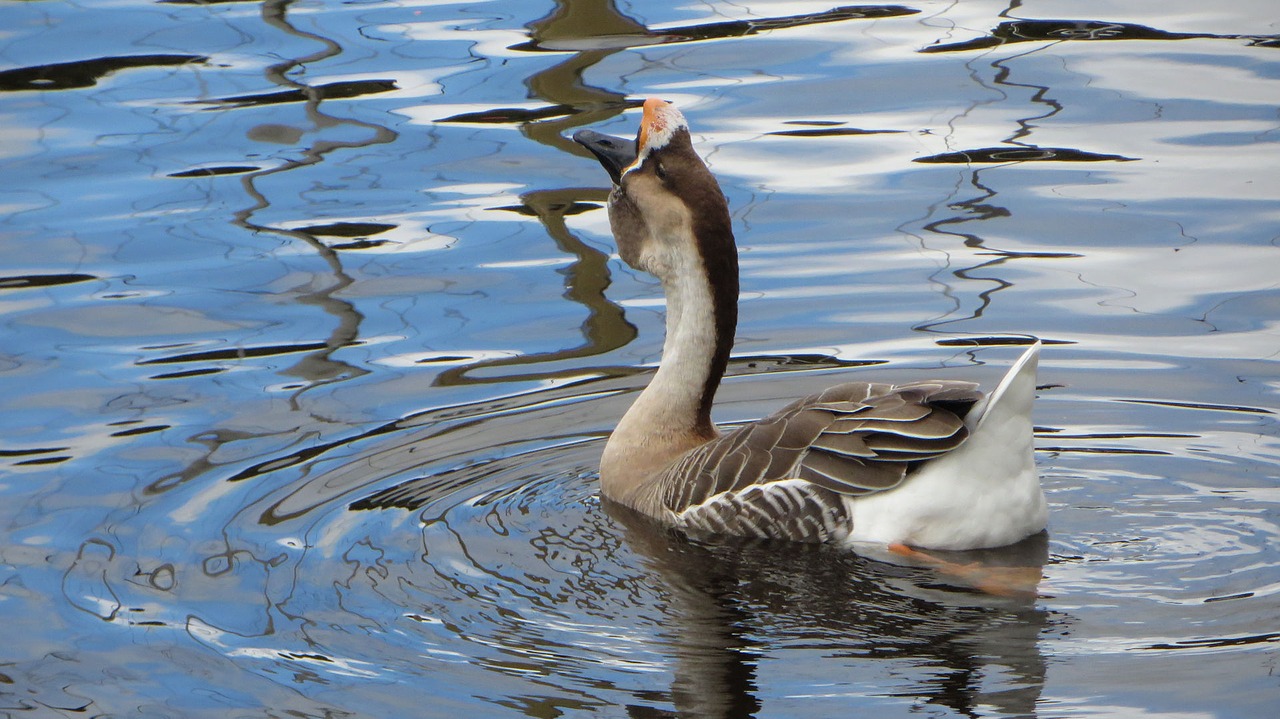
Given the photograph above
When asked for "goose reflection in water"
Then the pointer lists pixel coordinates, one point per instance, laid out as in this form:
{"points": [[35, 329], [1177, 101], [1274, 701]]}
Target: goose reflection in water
{"points": [[817, 600]]}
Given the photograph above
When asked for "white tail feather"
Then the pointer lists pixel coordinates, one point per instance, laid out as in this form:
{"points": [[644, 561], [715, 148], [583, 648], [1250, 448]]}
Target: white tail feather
{"points": [[984, 493]]}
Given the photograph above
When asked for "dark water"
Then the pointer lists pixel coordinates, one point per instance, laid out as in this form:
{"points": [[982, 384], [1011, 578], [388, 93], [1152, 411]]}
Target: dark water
{"points": [[312, 333]]}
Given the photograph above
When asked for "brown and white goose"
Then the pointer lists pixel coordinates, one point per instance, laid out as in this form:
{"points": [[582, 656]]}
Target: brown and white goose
{"points": [[928, 464]]}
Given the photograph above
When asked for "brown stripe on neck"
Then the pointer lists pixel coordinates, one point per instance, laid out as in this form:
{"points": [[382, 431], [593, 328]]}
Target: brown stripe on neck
{"points": [[714, 233]]}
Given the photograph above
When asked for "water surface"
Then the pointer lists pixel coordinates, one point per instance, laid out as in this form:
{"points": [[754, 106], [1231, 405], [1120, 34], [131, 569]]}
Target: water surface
{"points": [[314, 329]]}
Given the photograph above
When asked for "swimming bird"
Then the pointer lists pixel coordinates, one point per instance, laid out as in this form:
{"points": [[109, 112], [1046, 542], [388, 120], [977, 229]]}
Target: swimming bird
{"points": [[929, 464]]}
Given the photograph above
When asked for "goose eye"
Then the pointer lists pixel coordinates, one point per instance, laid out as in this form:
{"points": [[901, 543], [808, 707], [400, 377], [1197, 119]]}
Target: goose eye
{"points": [[660, 171]]}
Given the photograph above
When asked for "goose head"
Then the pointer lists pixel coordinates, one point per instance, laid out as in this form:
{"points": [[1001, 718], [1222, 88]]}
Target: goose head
{"points": [[669, 218], [667, 212]]}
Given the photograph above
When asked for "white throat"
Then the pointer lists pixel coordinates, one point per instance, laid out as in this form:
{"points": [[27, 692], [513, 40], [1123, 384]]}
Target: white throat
{"points": [[664, 422], [675, 394]]}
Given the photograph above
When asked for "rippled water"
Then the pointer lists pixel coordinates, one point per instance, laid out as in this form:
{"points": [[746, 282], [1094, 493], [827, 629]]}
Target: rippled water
{"points": [[313, 333]]}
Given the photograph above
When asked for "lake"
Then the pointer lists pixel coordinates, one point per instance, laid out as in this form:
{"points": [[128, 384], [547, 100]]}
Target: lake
{"points": [[314, 330]]}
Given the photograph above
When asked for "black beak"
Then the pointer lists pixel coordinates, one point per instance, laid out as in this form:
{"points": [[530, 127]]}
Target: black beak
{"points": [[614, 153]]}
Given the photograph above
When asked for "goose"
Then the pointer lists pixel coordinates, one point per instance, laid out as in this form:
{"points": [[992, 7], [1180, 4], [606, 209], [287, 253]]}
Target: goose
{"points": [[926, 464]]}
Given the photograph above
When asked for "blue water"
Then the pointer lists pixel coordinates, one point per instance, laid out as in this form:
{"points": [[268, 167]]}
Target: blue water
{"points": [[313, 329]]}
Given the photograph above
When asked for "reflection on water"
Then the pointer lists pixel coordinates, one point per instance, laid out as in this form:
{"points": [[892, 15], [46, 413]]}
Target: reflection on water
{"points": [[724, 594], [315, 332], [1084, 30]]}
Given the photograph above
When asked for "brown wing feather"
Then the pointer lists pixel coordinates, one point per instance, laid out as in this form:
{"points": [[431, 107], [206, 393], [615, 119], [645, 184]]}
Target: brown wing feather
{"points": [[848, 444], [847, 475], [850, 439]]}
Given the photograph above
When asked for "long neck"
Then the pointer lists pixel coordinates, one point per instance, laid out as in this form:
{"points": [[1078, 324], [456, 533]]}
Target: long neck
{"points": [[701, 319], [673, 414]]}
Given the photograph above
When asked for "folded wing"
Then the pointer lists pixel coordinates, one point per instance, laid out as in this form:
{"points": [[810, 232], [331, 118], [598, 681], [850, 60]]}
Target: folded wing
{"points": [[784, 476]]}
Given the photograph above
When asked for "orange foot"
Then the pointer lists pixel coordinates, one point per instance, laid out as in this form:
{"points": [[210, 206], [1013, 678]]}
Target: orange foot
{"points": [[998, 581]]}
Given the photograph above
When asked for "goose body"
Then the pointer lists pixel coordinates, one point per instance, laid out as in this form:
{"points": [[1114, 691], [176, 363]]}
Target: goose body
{"points": [[934, 464]]}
